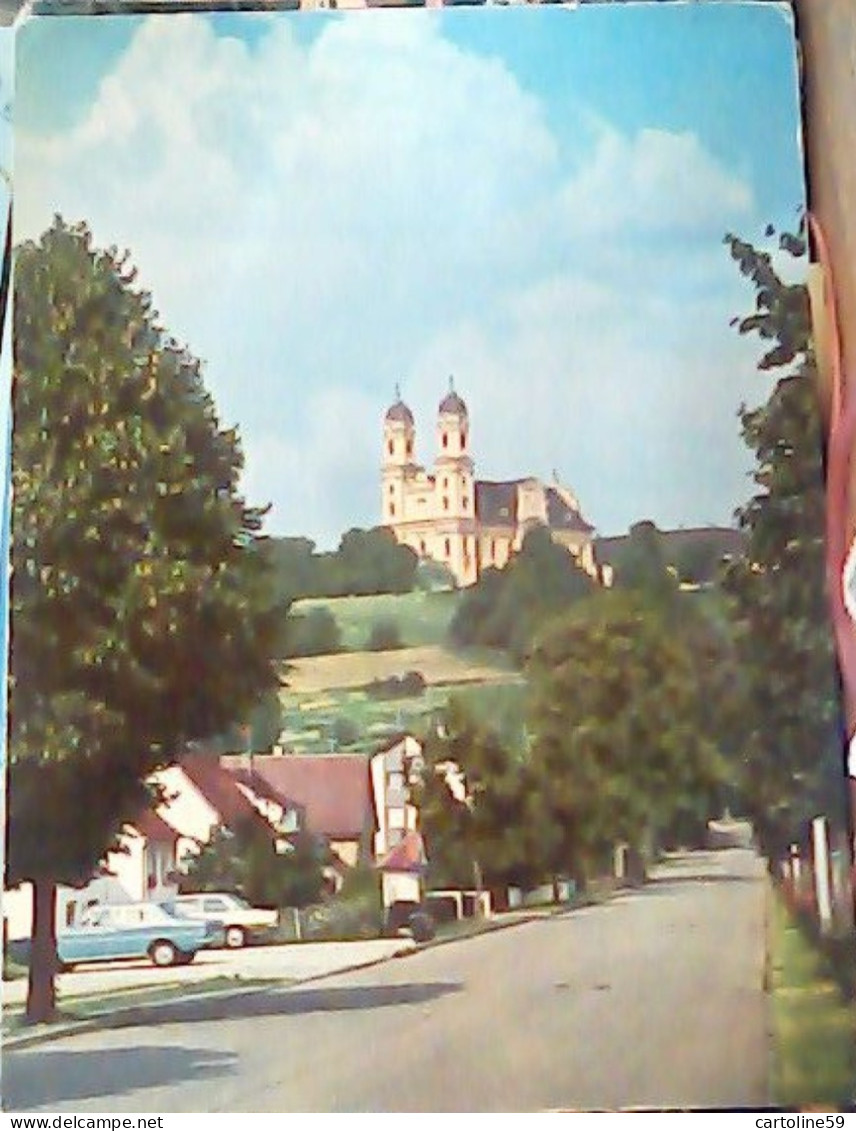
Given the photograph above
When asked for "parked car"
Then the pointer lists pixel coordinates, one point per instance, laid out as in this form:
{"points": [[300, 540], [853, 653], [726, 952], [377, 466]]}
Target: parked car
{"points": [[240, 921], [135, 930]]}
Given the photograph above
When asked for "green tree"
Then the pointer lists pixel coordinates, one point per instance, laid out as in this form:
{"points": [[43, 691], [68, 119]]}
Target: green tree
{"points": [[505, 608], [792, 757], [314, 633], [642, 566], [617, 746], [250, 862], [495, 836], [142, 610], [385, 635]]}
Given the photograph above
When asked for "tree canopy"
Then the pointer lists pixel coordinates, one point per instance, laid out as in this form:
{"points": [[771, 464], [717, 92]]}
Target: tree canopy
{"points": [[366, 562], [505, 607], [792, 765], [617, 741], [143, 614]]}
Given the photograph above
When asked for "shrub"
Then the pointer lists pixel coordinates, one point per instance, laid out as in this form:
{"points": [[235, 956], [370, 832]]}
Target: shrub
{"points": [[315, 633], [384, 636]]}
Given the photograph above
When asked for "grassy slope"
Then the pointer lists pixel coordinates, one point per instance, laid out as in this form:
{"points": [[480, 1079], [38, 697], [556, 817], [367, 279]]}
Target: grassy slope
{"points": [[422, 618], [813, 1027], [326, 688]]}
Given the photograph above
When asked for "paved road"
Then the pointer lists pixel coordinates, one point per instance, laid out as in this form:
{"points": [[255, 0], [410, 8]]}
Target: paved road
{"points": [[289, 962], [653, 999]]}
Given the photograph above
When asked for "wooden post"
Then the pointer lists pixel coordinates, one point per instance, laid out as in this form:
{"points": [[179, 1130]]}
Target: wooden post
{"points": [[823, 896]]}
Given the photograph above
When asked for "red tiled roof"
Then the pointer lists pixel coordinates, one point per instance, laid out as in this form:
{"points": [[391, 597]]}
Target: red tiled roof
{"points": [[332, 789], [407, 856], [153, 827], [220, 789]]}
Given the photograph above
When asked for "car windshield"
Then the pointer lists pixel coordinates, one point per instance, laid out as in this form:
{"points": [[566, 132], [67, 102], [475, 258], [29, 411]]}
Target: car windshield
{"points": [[240, 902]]}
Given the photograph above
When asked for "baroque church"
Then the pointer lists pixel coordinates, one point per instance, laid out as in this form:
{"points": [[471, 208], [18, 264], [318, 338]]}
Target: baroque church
{"points": [[469, 524]]}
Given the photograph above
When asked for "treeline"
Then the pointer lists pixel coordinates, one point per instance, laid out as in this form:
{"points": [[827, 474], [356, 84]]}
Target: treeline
{"points": [[622, 748], [366, 563]]}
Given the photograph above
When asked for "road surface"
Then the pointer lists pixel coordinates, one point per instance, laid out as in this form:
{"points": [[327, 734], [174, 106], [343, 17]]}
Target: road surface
{"points": [[653, 999]]}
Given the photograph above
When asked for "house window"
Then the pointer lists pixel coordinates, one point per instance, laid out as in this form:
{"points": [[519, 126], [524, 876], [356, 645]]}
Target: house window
{"points": [[70, 909]]}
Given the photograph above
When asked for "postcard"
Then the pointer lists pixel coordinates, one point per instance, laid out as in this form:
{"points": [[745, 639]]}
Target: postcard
{"points": [[417, 539]]}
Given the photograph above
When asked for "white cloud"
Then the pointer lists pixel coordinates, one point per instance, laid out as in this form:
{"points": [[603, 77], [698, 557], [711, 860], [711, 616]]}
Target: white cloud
{"points": [[319, 221], [655, 182]]}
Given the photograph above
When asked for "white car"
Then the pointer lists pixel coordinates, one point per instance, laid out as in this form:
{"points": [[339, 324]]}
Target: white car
{"points": [[240, 921]]}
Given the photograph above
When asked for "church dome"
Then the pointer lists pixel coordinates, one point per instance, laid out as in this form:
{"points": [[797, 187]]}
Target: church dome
{"points": [[399, 413], [452, 404]]}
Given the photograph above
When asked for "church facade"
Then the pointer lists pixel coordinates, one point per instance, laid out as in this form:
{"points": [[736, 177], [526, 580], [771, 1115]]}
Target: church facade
{"points": [[468, 524]]}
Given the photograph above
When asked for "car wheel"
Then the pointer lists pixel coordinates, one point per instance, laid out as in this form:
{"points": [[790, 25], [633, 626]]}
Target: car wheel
{"points": [[163, 953], [235, 937]]}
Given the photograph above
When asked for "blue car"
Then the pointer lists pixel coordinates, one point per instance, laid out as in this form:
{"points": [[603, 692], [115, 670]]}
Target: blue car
{"points": [[135, 930]]}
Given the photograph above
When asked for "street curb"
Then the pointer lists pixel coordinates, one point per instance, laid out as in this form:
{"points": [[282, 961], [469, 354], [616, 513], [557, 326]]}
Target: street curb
{"points": [[127, 1015]]}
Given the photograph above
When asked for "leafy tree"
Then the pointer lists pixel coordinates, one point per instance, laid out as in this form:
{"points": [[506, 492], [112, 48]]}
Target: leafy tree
{"points": [[345, 732], [314, 633], [505, 608], [792, 754], [142, 610], [248, 861], [384, 636], [617, 746], [642, 566], [366, 562], [496, 835]]}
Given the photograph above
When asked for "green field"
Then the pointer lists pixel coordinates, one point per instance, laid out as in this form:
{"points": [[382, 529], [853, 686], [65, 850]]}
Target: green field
{"points": [[310, 723], [326, 706], [422, 618]]}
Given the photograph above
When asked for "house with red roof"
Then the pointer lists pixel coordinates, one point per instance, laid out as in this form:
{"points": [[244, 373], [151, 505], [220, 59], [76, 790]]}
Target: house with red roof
{"points": [[332, 792]]}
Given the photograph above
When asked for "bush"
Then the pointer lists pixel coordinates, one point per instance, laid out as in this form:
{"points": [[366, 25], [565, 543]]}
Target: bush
{"points": [[345, 732], [384, 636], [407, 686], [315, 633]]}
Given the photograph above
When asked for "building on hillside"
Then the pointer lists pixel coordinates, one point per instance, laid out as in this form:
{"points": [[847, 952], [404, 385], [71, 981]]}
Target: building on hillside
{"points": [[469, 525]]}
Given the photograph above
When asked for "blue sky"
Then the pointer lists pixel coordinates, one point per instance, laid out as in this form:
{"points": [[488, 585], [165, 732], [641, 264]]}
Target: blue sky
{"points": [[530, 198]]}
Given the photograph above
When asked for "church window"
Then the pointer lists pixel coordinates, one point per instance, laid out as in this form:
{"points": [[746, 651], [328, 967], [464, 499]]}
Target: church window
{"points": [[445, 439], [448, 548], [392, 488], [445, 482], [445, 502], [392, 509], [410, 447], [492, 549], [465, 502], [390, 447], [422, 546], [463, 440]]}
